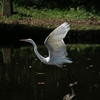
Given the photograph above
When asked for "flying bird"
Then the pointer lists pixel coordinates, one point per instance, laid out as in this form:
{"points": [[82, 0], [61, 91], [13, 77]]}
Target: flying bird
{"points": [[55, 45]]}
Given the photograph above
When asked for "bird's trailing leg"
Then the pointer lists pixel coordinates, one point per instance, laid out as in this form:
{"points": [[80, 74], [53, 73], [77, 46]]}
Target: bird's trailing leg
{"points": [[70, 74]]}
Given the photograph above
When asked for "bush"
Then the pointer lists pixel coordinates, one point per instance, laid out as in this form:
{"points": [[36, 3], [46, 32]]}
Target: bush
{"points": [[59, 3]]}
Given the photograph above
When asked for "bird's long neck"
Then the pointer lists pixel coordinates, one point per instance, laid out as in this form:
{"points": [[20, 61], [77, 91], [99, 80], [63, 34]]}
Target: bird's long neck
{"points": [[36, 52]]}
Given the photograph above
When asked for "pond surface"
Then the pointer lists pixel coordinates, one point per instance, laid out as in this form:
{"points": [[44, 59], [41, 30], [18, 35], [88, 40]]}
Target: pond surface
{"points": [[24, 77]]}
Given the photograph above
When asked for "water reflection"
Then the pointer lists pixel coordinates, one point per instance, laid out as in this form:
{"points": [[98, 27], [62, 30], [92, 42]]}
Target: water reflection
{"points": [[24, 77], [74, 92], [6, 52]]}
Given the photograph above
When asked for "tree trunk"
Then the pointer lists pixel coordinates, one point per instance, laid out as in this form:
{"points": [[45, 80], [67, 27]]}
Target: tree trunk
{"points": [[7, 8]]}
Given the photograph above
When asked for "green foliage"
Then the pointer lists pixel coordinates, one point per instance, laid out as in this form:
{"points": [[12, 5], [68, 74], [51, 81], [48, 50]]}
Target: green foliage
{"points": [[63, 4], [44, 13], [74, 5], [29, 11]]}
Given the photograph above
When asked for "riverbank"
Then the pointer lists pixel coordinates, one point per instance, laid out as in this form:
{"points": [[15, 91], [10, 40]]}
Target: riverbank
{"points": [[87, 24]]}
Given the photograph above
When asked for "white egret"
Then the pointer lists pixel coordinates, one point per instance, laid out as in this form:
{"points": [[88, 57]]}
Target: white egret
{"points": [[56, 48], [55, 45]]}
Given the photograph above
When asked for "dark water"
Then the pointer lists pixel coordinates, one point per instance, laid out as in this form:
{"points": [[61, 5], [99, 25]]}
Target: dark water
{"points": [[24, 77]]}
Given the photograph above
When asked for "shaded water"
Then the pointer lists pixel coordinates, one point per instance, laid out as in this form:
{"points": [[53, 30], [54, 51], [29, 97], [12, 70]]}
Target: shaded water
{"points": [[24, 77]]}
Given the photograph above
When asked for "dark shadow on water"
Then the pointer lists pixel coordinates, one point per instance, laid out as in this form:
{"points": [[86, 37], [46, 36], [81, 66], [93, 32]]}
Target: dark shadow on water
{"points": [[16, 91], [11, 33]]}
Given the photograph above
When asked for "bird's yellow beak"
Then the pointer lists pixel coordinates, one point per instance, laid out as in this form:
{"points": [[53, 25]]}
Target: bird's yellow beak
{"points": [[23, 40]]}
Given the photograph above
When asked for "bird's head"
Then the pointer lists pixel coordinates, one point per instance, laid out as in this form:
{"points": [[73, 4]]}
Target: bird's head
{"points": [[26, 40]]}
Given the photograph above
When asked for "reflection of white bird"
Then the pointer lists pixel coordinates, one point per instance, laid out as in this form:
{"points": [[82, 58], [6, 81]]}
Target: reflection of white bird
{"points": [[73, 95], [55, 45]]}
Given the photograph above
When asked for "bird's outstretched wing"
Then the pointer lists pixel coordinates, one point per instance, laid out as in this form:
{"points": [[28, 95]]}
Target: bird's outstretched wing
{"points": [[54, 42]]}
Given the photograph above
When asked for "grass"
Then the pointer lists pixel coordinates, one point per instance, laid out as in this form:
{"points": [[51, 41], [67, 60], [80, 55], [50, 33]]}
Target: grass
{"points": [[72, 14], [79, 18]]}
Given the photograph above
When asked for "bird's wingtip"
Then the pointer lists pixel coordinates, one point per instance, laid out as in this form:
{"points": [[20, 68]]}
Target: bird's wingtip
{"points": [[65, 24]]}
